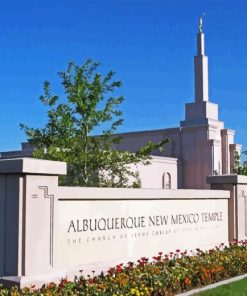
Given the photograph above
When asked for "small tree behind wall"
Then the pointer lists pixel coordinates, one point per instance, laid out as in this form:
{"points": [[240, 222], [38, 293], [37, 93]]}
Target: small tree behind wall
{"points": [[88, 103], [240, 169]]}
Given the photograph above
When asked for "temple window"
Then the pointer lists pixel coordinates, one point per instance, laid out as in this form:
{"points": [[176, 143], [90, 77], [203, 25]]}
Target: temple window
{"points": [[166, 182]]}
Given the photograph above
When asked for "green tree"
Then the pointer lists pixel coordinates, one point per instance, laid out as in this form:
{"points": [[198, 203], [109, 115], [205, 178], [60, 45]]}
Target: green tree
{"points": [[88, 103], [240, 169]]}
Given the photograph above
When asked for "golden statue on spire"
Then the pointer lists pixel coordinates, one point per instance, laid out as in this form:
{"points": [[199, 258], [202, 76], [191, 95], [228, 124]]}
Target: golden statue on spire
{"points": [[200, 23]]}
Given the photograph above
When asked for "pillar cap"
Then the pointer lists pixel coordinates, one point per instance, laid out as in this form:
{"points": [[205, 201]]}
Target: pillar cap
{"points": [[227, 179], [32, 166]]}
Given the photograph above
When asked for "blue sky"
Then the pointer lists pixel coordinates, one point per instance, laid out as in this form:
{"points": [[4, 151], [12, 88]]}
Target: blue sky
{"points": [[150, 44]]}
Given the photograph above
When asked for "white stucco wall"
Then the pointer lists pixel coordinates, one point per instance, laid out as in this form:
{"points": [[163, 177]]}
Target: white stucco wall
{"points": [[155, 175]]}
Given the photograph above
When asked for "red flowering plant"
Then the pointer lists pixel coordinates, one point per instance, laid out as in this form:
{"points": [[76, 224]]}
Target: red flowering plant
{"points": [[165, 274]]}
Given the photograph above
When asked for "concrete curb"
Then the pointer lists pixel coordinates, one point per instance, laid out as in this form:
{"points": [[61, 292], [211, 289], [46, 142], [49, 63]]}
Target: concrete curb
{"points": [[221, 283]]}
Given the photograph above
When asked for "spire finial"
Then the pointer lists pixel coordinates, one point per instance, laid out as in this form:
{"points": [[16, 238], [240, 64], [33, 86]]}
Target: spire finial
{"points": [[201, 67], [200, 22]]}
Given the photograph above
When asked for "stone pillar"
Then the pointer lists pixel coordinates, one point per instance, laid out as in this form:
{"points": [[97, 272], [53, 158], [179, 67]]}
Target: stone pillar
{"points": [[237, 206], [227, 138], [28, 188], [216, 157]]}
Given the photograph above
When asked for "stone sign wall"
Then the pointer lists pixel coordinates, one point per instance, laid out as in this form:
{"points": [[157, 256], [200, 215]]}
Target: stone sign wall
{"points": [[105, 230], [48, 232]]}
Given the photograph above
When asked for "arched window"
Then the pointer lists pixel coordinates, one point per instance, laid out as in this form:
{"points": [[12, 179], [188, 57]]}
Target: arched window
{"points": [[166, 182]]}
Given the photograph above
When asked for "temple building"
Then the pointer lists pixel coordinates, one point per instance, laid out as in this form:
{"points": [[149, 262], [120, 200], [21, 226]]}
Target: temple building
{"points": [[201, 143], [200, 146]]}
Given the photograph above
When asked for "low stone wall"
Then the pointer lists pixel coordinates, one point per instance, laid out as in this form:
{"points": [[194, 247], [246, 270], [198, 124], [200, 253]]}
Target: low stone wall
{"points": [[47, 231], [100, 225]]}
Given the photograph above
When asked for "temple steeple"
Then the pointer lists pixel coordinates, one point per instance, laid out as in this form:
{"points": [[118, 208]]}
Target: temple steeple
{"points": [[201, 111], [201, 68]]}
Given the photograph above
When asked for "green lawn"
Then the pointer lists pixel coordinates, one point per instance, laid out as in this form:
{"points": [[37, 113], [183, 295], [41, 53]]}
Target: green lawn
{"points": [[238, 288]]}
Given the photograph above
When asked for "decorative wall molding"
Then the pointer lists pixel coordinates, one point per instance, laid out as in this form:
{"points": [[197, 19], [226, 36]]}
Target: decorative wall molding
{"points": [[51, 197], [46, 195], [243, 194]]}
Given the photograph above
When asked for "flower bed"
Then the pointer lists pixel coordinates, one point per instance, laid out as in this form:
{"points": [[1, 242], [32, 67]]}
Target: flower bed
{"points": [[164, 274]]}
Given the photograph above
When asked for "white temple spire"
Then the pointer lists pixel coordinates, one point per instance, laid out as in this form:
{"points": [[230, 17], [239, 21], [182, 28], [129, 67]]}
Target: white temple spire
{"points": [[200, 44], [201, 68]]}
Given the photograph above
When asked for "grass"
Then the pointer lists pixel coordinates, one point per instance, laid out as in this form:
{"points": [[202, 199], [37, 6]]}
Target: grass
{"points": [[238, 288]]}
